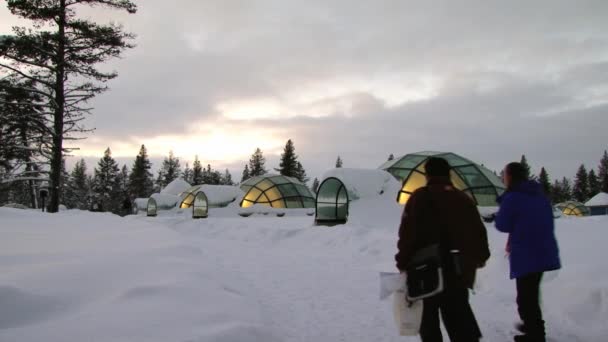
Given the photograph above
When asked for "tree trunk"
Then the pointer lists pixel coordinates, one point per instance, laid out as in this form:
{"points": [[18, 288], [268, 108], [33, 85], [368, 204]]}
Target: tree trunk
{"points": [[57, 150]]}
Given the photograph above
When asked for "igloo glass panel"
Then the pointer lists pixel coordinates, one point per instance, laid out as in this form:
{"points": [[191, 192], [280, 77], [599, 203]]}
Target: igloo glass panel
{"points": [[416, 181], [474, 177], [343, 196], [326, 211], [253, 194], [400, 174], [187, 202], [273, 194], [247, 204], [200, 206], [403, 197], [455, 160], [293, 203], [485, 197], [457, 180], [409, 162], [264, 185], [308, 202], [278, 204], [288, 190]]}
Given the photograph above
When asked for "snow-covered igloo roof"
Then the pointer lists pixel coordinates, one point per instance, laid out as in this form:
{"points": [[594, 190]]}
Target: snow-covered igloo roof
{"points": [[598, 200], [364, 183], [176, 187], [217, 195]]}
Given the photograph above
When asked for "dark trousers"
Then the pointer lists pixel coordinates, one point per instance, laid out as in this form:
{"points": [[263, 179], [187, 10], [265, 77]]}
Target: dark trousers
{"points": [[457, 316], [528, 306]]}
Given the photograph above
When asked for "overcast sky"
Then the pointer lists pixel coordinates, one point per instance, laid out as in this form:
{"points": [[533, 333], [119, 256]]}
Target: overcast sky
{"points": [[489, 80]]}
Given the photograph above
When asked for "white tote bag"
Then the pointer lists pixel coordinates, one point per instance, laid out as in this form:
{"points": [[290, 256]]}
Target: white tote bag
{"points": [[408, 316]]}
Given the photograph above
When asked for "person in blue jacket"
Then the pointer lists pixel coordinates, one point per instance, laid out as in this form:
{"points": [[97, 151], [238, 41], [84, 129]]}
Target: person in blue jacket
{"points": [[526, 215]]}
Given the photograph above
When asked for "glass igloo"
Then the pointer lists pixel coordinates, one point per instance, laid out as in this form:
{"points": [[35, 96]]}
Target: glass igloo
{"points": [[277, 192], [572, 208], [477, 181]]}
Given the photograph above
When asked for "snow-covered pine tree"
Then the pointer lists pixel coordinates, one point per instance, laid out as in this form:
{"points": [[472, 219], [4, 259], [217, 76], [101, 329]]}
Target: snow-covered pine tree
{"points": [[141, 183], [289, 160], [77, 187], [594, 184], [257, 164], [24, 138], [603, 172], [246, 175], [227, 178], [59, 52], [171, 169], [197, 172], [315, 185], [188, 173], [123, 181], [105, 183], [543, 178], [580, 191], [339, 162]]}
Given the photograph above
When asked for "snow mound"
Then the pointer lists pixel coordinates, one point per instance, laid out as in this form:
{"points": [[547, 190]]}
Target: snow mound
{"points": [[176, 187], [365, 183], [598, 200], [165, 201]]}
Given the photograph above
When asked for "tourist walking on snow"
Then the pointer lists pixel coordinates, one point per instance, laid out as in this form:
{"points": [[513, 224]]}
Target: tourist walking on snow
{"points": [[441, 214], [526, 214]]}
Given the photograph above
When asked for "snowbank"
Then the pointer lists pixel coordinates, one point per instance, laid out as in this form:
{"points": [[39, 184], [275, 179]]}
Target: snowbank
{"points": [[176, 187], [365, 183], [598, 200]]}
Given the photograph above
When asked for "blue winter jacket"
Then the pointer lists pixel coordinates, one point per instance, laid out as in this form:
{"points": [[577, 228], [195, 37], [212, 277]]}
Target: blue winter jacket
{"points": [[526, 214]]}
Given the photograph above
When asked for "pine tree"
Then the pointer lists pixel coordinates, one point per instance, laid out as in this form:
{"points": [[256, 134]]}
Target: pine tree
{"points": [[141, 184], [105, 184], [159, 183], [257, 164], [246, 175], [339, 162], [197, 172], [77, 187], [60, 54], [603, 173], [391, 157], [227, 178], [524, 163], [543, 178], [213, 176], [171, 170], [557, 195], [300, 173], [289, 160], [188, 174], [315, 185], [594, 184], [566, 189], [581, 185]]}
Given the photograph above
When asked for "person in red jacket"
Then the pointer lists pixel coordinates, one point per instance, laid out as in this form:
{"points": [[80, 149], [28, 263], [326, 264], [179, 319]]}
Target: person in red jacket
{"points": [[440, 207]]}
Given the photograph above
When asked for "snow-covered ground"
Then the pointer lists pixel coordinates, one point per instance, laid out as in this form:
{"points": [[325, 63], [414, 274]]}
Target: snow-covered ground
{"points": [[80, 276]]}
